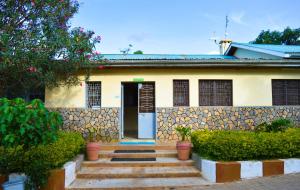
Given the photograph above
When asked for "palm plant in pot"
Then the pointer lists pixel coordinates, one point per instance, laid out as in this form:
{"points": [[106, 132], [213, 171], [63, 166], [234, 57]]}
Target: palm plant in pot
{"points": [[92, 147], [183, 146]]}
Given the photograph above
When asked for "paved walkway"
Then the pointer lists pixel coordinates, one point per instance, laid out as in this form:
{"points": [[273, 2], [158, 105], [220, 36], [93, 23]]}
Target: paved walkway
{"points": [[283, 182]]}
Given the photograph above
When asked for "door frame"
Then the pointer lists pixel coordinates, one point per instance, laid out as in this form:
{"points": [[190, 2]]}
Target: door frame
{"points": [[121, 136]]}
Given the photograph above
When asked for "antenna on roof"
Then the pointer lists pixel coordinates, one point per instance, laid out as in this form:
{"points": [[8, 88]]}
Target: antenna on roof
{"points": [[226, 27], [214, 38], [125, 51], [223, 43]]}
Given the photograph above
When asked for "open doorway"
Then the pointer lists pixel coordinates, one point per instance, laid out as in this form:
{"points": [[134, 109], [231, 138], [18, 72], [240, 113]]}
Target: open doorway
{"points": [[130, 110], [138, 110]]}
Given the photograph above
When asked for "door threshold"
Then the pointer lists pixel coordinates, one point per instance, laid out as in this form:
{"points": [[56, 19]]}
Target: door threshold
{"points": [[138, 142]]}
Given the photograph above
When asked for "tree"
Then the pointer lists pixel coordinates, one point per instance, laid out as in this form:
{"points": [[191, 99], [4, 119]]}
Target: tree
{"points": [[37, 46], [138, 52], [288, 37]]}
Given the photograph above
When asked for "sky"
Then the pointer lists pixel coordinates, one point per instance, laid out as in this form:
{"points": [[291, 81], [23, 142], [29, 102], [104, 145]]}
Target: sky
{"points": [[181, 26]]}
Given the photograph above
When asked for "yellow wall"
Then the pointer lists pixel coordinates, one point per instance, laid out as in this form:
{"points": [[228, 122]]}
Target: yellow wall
{"points": [[251, 87]]}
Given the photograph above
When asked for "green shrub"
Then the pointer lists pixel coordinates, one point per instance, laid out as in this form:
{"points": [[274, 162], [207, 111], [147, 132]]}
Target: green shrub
{"points": [[278, 125], [59, 152], [11, 160], [246, 145], [27, 124], [261, 127], [37, 161]]}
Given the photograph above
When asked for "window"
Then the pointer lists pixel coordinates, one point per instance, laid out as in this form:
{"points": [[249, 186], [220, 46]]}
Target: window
{"points": [[286, 92], [181, 93], [215, 92], [93, 94]]}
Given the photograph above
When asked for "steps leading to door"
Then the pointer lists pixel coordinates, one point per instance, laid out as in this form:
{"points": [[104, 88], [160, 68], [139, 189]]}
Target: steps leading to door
{"points": [[167, 172], [138, 172], [160, 162], [138, 184], [157, 153], [138, 147]]}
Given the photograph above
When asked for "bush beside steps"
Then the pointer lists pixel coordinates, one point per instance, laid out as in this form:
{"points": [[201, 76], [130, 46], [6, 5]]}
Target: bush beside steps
{"points": [[246, 145]]}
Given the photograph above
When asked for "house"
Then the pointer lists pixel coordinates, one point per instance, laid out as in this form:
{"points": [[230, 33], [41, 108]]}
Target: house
{"points": [[147, 96]]}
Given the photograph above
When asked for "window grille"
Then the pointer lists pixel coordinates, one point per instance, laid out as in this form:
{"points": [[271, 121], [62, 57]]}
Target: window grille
{"points": [[147, 98], [215, 92], [93, 94], [181, 93], [285, 92]]}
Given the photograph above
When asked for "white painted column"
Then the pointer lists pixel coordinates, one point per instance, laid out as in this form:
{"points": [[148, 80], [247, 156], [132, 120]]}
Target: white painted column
{"points": [[194, 92]]}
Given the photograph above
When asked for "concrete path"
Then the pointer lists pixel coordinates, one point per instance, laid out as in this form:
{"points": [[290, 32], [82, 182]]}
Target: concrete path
{"points": [[283, 182]]}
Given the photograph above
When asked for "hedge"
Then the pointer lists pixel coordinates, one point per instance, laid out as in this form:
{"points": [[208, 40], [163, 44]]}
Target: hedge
{"points": [[68, 145], [246, 145], [39, 160]]}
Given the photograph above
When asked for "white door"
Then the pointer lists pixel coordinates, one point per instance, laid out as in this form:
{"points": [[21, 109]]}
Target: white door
{"points": [[146, 110]]}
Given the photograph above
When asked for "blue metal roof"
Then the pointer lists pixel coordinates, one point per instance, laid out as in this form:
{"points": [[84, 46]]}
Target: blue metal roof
{"points": [[163, 57], [281, 51], [272, 47]]}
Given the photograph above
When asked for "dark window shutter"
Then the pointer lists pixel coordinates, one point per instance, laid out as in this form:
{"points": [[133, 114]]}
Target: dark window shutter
{"points": [[285, 92], [206, 91], [215, 93], [278, 92], [93, 94], [292, 91], [181, 93], [223, 93]]}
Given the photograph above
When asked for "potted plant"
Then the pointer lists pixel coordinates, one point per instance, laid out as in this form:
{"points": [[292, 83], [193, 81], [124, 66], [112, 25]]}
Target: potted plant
{"points": [[183, 146], [92, 147]]}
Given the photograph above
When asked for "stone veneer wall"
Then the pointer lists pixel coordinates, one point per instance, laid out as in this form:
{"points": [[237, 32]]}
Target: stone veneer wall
{"points": [[219, 118], [105, 121]]}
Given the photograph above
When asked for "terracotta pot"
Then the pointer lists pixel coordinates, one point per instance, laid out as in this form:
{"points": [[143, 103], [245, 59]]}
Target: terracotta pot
{"points": [[3, 179], [92, 149], [183, 150]]}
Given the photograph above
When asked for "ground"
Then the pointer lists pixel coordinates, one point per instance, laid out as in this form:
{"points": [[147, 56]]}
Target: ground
{"points": [[282, 182]]}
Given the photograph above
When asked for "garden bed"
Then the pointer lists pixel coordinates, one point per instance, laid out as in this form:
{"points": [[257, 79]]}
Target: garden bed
{"points": [[63, 177], [220, 171], [225, 156], [57, 157]]}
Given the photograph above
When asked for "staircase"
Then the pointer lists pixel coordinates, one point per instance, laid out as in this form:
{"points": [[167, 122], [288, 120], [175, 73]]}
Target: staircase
{"points": [[165, 173]]}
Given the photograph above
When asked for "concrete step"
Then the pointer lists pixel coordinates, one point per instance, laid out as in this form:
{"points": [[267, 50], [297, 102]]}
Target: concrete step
{"points": [[157, 153], [138, 172], [160, 162], [137, 147], [137, 183]]}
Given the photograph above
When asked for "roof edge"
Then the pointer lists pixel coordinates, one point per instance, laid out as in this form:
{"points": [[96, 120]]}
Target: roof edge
{"points": [[260, 50], [200, 63]]}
